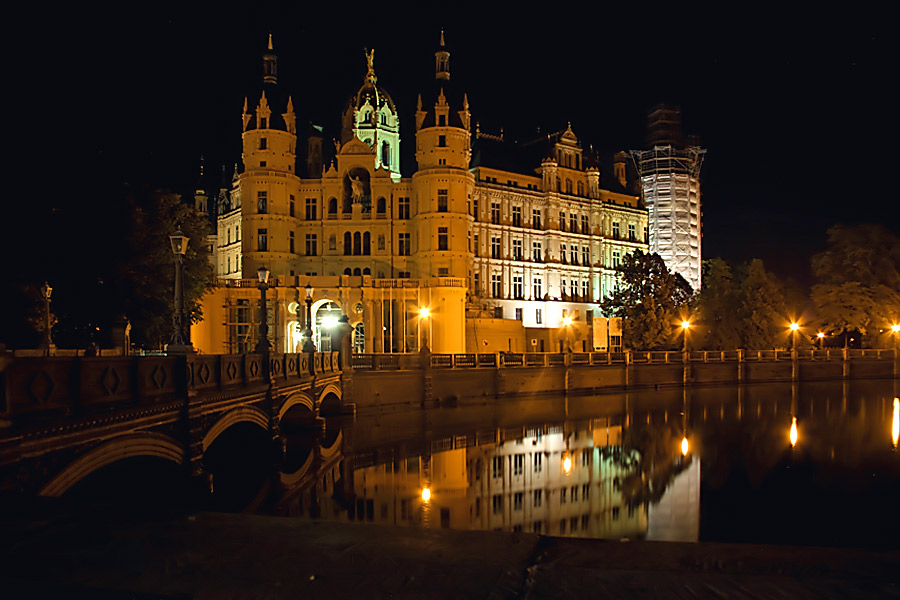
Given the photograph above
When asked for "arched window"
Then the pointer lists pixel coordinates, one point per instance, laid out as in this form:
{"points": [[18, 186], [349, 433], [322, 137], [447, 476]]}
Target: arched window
{"points": [[581, 188], [348, 244], [381, 205], [367, 271], [366, 247], [332, 206], [357, 243], [568, 186], [386, 154], [558, 185], [347, 271], [357, 272]]}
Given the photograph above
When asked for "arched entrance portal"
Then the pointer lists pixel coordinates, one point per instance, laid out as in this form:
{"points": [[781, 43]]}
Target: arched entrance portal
{"points": [[325, 318]]}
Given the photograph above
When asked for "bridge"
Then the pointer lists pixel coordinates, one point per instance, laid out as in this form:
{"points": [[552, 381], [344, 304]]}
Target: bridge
{"points": [[64, 418]]}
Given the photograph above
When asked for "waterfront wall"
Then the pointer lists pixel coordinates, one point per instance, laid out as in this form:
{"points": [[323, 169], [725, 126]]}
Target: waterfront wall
{"points": [[385, 380]]}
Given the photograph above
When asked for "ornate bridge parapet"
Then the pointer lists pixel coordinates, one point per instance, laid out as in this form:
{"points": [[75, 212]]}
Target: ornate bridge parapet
{"points": [[62, 418]]}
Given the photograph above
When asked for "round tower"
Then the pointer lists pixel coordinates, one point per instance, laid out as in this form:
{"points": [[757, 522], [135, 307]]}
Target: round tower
{"points": [[268, 177]]}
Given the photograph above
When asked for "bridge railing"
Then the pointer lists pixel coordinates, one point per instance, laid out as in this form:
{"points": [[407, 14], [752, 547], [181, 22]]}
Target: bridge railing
{"points": [[39, 386], [401, 361]]}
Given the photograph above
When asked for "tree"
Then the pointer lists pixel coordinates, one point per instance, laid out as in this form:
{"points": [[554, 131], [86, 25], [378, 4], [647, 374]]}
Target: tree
{"points": [[651, 300], [145, 272], [761, 309], [717, 303], [859, 279]]}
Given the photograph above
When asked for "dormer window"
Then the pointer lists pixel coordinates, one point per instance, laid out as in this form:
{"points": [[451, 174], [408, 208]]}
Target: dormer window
{"points": [[263, 123], [442, 141], [442, 120], [263, 143]]}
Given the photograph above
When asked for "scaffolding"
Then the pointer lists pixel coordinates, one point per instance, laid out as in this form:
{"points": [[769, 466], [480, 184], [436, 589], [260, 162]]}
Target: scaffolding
{"points": [[670, 181]]}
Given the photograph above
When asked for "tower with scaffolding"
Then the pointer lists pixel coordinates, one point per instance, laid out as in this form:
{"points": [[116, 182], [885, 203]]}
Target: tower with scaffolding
{"points": [[669, 169]]}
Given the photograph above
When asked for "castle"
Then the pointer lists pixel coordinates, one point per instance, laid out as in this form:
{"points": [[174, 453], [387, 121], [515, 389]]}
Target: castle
{"points": [[490, 246]]}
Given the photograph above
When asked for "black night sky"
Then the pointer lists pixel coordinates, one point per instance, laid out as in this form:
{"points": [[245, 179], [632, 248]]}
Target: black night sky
{"points": [[793, 110]]}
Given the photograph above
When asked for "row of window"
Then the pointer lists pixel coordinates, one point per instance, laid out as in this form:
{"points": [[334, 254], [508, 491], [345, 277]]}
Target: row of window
{"points": [[518, 499], [518, 463], [262, 206]]}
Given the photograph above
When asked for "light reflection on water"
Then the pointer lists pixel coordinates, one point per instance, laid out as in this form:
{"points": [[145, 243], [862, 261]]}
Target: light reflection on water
{"points": [[641, 465]]}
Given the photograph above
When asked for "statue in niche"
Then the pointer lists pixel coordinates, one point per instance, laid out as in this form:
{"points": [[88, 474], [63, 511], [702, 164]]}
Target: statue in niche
{"points": [[357, 189]]}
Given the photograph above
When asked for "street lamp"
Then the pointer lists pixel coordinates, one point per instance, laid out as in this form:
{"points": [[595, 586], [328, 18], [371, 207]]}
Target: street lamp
{"points": [[424, 313], [821, 337], [308, 344], [895, 329], [262, 345], [685, 326], [47, 342], [179, 243], [794, 328]]}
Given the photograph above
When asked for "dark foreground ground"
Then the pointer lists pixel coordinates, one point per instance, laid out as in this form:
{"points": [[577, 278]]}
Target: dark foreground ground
{"points": [[231, 556]]}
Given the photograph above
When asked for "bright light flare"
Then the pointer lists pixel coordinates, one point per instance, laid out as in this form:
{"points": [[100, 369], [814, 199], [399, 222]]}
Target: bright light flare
{"points": [[820, 335], [567, 321], [424, 312], [794, 432], [426, 494], [795, 326], [329, 322], [895, 425], [684, 446], [895, 328], [685, 324], [567, 464]]}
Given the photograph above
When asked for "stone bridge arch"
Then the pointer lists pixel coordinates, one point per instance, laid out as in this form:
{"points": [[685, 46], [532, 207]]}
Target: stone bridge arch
{"points": [[241, 414], [330, 400], [298, 400], [127, 446]]}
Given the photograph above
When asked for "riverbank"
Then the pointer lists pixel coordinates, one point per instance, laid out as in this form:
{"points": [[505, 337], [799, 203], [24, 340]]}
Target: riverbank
{"points": [[210, 555]]}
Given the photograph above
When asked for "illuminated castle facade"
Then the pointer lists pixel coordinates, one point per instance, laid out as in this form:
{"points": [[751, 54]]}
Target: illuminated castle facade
{"points": [[500, 241]]}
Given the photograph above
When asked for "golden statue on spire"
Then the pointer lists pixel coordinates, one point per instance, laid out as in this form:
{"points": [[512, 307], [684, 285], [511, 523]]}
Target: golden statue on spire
{"points": [[370, 63]]}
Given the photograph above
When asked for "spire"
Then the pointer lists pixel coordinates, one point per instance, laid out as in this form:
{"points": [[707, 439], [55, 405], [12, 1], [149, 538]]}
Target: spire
{"points": [[442, 61], [270, 64], [370, 63]]}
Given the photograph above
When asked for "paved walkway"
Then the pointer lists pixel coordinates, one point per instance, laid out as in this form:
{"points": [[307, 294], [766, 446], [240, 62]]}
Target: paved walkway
{"points": [[232, 556]]}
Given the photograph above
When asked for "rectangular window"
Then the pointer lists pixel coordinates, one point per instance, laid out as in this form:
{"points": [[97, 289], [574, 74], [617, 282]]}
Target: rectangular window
{"points": [[477, 284], [518, 290], [498, 312], [585, 458], [536, 252], [517, 249], [585, 290], [517, 216], [585, 224], [518, 464], [562, 287], [495, 247], [497, 467], [262, 202], [615, 230], [573, 223], [497, 502], [574, 493], [443, 243], [562, 221], [562, 253], [615, 513], [586, 492], [562, 526], [311, 244], [291, 208], [518, 314], [585, 519], [477, 245], [403, 244], [538, 526], [586, 255], [442, 141], [573, 254], [495, 213], [311, 209], [291, 242], [403, 208], [442, 200], [262, 240], [538, 498], [562, 495], [538, 462], [496, 288], [518, 500], [631, 233], [536, 218], [616, 258], [475, 209], [263, 143], [538, 316]]}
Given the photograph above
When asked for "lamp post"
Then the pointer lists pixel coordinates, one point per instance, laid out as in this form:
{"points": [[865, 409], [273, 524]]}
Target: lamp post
{"points": [[424, 313], [263, 346], [308, 344], [685, 326], [821, 337], [179, 243], [795, 327], [895, 329], [47, 341]]}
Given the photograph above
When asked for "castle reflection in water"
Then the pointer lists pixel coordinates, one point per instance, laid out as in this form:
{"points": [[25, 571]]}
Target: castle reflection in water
{"points": [[518, 481]]}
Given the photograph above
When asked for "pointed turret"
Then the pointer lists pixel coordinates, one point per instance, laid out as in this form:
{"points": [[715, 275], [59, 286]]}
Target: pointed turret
{"points": [[442, 61], [270, 64]]}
